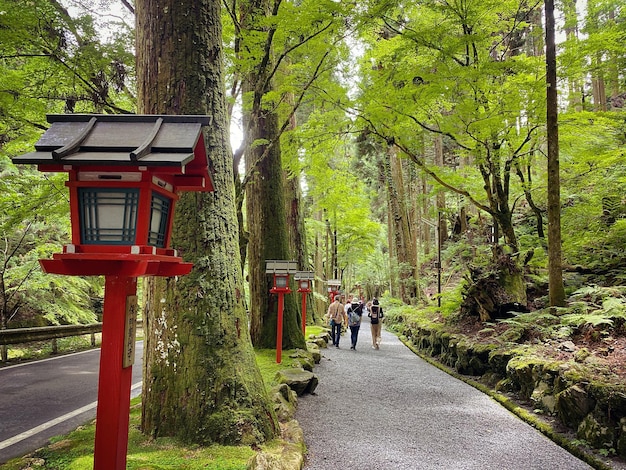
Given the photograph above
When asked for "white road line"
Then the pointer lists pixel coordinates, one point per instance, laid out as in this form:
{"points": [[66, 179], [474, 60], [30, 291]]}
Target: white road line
{"points": [[42, 427]]}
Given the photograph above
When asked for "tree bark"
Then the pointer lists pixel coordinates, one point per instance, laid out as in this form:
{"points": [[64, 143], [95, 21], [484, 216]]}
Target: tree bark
{"points": [[201, 381], [267, 228], [264, 186], [399, 220], [555, 261]]}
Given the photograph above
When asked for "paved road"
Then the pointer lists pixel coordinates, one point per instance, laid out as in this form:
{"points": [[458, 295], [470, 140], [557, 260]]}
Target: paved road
{"points": [[389, 409], [46, 398]]}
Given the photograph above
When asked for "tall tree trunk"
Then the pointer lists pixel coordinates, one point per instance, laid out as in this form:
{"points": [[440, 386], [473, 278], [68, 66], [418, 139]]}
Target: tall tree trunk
{"points": [[400, 227], [613, 67], [294, 208], [201, 381], [425, 228], [319, 258], [267, 228], [598, 89], [441, 196], [575, 88], [555, 277], [264, 188]]}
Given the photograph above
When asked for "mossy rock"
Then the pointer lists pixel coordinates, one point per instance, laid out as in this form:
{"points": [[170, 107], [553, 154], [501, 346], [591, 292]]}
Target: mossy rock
{"points": [[303, 359], [573, 405], [621, 440], [611, 399], [314, 350], [498, 361], [543, 396], [299, 380], [285, 401], [288, 456], [319, 342], [521, 373], [436, 343], [303, 364]]}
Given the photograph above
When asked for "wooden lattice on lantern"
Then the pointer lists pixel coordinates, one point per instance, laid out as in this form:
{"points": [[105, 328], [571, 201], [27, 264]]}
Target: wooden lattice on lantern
{"points": [[124, 175]]}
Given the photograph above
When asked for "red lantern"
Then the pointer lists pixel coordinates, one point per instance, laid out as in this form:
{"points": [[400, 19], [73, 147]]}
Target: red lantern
{"points": [[333, 288], [304, 279], [125, 172], [280, 270]]}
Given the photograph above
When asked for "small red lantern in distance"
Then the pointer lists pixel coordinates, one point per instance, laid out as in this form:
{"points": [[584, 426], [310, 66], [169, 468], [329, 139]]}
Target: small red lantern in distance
{"points": [[281, 270], [304, 279], [124, 175], [333, 288]]}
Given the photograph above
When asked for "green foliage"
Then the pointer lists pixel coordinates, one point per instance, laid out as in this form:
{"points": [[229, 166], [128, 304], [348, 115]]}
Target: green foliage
{"points": [[34, 224], [53, 62], [596, 307], [539, 324], [593, 172], [590, 308]]}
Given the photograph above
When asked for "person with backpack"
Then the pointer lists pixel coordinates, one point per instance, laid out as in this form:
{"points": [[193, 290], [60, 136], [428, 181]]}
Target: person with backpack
{"points": [[376, 319], [336, 316], [355, 312]]}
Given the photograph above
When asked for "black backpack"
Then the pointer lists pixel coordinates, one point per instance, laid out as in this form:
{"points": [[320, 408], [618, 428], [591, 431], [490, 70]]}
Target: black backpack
{"points": [[374, 314]]}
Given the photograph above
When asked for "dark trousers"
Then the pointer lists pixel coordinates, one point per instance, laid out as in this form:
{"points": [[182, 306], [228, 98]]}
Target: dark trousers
{"points": [[335, 333], [354, 334]]}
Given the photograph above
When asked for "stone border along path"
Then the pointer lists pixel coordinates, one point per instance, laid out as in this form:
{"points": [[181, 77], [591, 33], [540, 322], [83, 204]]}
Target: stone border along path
{"points": [[390, 409]]}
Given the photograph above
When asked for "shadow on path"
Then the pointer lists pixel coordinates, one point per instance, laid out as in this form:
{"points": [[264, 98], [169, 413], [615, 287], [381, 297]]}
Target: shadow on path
{"points": [[389, 409]]}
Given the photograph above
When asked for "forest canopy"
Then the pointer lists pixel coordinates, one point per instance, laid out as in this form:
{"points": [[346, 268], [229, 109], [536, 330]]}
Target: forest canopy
{"points": [[402, 123]]}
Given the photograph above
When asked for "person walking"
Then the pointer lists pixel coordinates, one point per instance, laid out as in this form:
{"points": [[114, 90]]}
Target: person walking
{"points": [[376, 319], [355, 312], [336, 316]]}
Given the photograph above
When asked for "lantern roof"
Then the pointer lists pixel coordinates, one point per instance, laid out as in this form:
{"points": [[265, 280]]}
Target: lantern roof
{"points": [[304, 275], [276, 266], [166, 144]]}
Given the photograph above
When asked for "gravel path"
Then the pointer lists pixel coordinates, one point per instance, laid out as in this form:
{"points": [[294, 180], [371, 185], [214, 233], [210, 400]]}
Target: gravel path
{"points": [[389, 409]]}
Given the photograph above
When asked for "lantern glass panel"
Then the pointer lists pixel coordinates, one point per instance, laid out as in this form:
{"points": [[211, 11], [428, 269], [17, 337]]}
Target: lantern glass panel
{"points": [[108, 215], [159, 216], [281, 281], [304, 284]]}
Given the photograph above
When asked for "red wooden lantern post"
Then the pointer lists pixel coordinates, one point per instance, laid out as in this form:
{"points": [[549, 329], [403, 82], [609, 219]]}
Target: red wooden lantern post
{"points": [[124, 175], [304, 279], [333, 288], [280, 270]]}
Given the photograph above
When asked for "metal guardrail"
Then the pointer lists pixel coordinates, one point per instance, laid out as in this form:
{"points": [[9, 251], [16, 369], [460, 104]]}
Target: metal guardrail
{"points": [[43, 333]]}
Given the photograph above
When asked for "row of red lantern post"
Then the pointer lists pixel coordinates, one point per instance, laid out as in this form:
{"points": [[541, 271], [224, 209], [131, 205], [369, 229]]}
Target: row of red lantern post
{"points": [[281, 270]]}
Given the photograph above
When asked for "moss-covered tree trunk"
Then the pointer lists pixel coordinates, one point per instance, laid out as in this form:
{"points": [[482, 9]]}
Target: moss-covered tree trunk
{"points": [[268, 236], [400, 227], [264, 186], [201, 381], [555, 261]]}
